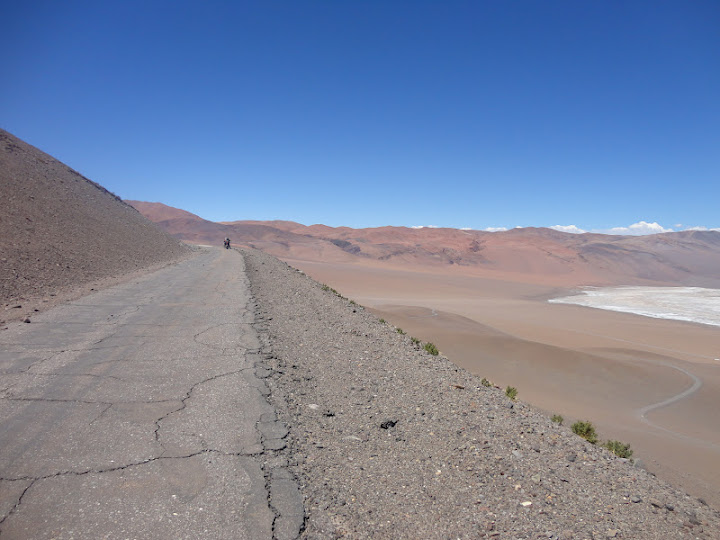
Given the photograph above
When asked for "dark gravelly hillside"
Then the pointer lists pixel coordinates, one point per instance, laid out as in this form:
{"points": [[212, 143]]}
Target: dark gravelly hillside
{"points": [[60, 232], [391, 442]]}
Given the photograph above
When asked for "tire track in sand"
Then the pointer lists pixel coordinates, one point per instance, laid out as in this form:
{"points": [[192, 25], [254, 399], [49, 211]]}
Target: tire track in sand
{"points": [[643, 411]]}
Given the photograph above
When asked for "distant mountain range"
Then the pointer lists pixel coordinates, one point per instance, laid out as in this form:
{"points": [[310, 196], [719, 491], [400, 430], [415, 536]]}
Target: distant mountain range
{"points": [[678, 258]]}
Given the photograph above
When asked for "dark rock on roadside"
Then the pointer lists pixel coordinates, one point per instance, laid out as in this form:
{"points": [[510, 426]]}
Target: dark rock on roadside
{"points": [[456, 464]]}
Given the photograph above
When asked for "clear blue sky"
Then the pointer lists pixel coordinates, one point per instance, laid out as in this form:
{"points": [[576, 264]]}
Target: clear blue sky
{"points": [[596, 114]]}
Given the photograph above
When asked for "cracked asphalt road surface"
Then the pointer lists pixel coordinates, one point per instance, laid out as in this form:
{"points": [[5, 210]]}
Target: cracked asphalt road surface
{"points": [[136, 412]]}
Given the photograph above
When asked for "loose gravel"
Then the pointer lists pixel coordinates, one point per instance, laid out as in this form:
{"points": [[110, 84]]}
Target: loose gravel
{"points": [[388, 441]]}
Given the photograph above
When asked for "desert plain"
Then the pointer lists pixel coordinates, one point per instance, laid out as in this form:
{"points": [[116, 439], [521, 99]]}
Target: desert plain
{"points": [[653, 383]]}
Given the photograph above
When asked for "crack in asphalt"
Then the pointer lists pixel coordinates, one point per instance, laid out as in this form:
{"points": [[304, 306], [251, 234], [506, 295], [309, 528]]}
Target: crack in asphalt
{"points": [[269, 470], [18, 501], [105, 338], [267, 475], [184, 400], [89, 402], [112, 320], [57, 400], [106, 409], [222, 347], [94, 375], [27, 348], [7, 390], [35, 479], [157, 357], [31, 365], [134, 309]]}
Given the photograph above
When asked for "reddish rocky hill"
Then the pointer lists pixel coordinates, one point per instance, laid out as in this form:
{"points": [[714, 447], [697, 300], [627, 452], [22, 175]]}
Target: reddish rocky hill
{"points": [[59, 230], [687, 258]]}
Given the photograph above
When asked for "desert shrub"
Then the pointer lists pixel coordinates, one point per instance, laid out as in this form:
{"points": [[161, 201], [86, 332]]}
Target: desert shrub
{"points": [[485, 382], [619, 449], [415, 341], [329, 288], [511, 392], [557, 419], [431, 348], [400, 331], [353, 303], [382, 321], [585, 430]]}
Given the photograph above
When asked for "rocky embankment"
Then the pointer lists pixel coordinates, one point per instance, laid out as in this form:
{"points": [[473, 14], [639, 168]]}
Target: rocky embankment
{"points": [[388, 441], [61, 235]]}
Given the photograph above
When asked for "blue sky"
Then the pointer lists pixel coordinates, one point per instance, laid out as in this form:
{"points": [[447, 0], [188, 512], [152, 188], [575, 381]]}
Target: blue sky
{"points": [[596, 115]]}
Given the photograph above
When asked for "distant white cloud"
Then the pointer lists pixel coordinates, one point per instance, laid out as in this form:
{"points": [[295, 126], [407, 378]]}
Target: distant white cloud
{"points": [[702, 229], [568, 229], [640, 228], [637, 229]]}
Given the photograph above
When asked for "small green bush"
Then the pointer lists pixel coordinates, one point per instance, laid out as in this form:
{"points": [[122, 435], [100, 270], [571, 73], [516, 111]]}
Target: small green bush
{"points": [[382, 321], [400, 331], [431, 348], [585, 430], [511, 392], [329, 288], [619, 449], [485, 382], [557, 419], [352, 303], [415, 341]]}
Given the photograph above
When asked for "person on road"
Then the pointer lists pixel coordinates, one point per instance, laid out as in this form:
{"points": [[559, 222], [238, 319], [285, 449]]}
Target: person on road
{"points": [[227, 243]]}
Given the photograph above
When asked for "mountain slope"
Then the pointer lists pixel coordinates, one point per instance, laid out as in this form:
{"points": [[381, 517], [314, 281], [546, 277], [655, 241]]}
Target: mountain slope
{"points": [[59, 230]]}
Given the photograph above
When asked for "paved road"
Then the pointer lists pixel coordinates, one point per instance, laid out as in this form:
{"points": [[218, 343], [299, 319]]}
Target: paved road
{"points": [[139, 412]]}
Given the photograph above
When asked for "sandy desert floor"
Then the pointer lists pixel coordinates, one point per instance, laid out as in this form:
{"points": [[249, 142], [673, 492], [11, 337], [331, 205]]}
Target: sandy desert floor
{"points": [[651, 382]]}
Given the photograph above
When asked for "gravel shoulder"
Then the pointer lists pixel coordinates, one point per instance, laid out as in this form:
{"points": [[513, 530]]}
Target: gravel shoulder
{"points": [[388, 441]]}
